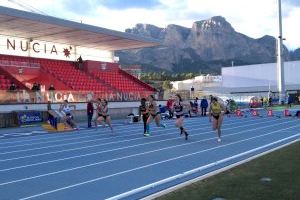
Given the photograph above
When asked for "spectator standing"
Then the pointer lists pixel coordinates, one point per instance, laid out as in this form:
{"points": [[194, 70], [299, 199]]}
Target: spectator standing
{"points": [[51, 92], [203, 105], [51, 118], [34, 87], [170, 107], [51, 88], [290, 101], [270, 101], [80, 63], [12, 91], [192, 92], [90, 113], [38, 87], [12, 87], [34, 90]]}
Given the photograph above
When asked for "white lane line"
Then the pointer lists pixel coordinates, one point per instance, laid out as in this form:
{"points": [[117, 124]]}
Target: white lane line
{"points": [[69, 136], [149, 165], [16, 134], [46, 136], [80, 142], [62, 136], [76, 138], [54, 136], [55, 139], [39, 131], [115, 142], [132, 146], [85, 141], [139, 154], [13, 134], [98, 145], [197, 170]]}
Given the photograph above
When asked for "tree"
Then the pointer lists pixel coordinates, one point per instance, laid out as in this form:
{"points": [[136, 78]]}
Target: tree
{"points": [[167, 85], [189, 75]]}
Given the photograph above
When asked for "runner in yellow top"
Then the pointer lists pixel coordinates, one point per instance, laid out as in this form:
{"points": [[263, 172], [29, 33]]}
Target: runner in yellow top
{"points": [[216, 116]]}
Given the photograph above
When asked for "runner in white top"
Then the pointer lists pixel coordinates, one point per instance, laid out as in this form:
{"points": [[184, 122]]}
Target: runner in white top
{"points": [[68, 118]]}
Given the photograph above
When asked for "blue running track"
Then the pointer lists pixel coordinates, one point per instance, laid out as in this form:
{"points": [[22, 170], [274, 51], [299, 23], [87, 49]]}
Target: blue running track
{"points": [[96, 164]]}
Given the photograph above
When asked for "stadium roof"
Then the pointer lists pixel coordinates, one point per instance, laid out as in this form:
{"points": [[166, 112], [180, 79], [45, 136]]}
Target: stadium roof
{"points": [[34, 26]]}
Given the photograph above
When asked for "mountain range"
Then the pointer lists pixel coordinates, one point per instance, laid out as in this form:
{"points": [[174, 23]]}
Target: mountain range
{"points": [[205, 48]]}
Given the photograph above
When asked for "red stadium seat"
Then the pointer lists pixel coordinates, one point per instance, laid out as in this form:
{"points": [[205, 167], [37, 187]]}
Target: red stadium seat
{"points": [[104, 80]]}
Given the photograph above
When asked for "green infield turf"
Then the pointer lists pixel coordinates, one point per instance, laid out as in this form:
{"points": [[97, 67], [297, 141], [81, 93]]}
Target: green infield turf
{"points": [[280, 171]]}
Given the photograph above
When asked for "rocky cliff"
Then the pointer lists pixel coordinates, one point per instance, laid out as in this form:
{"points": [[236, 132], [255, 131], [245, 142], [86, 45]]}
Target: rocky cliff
{"points": [[206, 47]]}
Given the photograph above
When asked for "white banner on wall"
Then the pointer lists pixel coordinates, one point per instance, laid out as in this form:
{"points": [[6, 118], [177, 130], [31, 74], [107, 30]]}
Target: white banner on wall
{"points": [[50, 50]]}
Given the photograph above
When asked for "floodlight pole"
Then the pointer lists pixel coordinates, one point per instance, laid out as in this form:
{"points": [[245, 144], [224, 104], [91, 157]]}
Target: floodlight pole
{"points": [[280, 64]]}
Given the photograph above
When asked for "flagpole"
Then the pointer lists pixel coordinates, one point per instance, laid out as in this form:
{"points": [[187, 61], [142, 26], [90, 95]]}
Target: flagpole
{"points": [[280, 63]]}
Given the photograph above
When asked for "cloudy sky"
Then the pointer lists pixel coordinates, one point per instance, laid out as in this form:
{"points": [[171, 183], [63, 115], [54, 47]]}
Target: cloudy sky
{"points": [[254, 18]]}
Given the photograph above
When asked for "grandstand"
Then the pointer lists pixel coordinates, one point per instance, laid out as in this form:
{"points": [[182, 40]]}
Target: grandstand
{"points": [[41, 49]]}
